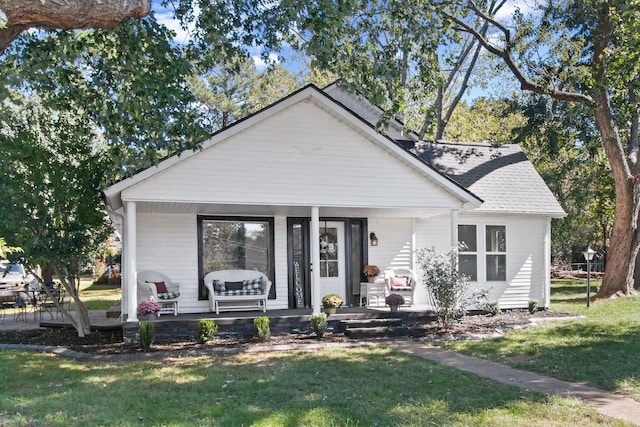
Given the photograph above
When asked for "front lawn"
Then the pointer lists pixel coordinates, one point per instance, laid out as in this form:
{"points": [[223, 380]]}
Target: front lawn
{"points": [[355, 387], [600, 349]]}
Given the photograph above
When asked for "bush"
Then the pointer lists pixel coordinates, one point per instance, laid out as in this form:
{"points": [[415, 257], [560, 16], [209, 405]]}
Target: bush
{"points": [[147, 335], [319, 324], [446, 286], [207, 330], [493, 307], [263, 331], [533, 306]]}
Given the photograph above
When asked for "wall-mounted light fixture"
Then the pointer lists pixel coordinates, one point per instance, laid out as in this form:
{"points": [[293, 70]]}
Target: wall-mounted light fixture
{"points": [[373, 238]]}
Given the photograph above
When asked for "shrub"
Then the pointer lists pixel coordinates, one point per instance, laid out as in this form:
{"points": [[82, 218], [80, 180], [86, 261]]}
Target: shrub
{"points": [[147, 335], [332, 300], [263, 331], [493, 307], [533, 306], [207, 330], [445, 285], [319, 324]]}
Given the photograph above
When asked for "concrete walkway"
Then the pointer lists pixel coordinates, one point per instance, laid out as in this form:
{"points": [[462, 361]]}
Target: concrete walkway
{"points": [[607, 403]]}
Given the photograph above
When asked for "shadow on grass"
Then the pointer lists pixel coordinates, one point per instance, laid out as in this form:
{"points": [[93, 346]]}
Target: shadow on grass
{"points": [[328, 387]]}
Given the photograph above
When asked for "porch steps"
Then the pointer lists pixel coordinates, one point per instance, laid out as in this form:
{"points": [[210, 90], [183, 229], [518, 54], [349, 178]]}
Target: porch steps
{"points": [[374, 328]]}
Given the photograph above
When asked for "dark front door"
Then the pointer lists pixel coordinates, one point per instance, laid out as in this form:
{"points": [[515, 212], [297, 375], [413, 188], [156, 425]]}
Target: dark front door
{"points": [[351, 247]]}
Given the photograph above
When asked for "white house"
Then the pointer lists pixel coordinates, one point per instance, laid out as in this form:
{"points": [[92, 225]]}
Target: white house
{"points": [[311, 168]]}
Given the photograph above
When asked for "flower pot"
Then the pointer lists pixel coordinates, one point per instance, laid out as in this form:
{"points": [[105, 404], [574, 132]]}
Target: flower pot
{"points": [[148, 317], [371, 279], [330, 310]]}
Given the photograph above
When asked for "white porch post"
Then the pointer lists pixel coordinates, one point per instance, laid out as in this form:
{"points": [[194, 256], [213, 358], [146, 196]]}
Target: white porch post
{"points": [[454, 229], [130, 263], [315, 260]]}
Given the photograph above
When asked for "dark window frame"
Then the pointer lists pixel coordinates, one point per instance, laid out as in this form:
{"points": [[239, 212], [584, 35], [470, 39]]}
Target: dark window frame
{"points": [[202, 291]]}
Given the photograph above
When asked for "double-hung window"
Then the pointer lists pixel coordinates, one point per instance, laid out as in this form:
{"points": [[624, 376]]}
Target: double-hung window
{"points": [[468, 251], [496, 253]]}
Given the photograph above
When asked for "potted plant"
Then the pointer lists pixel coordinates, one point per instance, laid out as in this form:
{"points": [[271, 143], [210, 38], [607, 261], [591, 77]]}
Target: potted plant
{"points": [[393, 301], [149, 309], [331, 302], [371, 271]]}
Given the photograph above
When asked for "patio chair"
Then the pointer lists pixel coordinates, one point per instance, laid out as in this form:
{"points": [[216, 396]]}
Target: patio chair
{"points": [[155, 285], [401, 281]]}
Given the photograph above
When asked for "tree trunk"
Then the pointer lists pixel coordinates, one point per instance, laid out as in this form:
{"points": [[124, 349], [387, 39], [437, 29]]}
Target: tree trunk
{"points": [[80, 322], [618, 276]]}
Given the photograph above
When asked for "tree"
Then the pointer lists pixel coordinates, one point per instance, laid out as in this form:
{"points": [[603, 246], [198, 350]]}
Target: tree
{"points": [[49, 176], [583, 53], [6, 249], [18, 16], [235, 89], [81, 109]]}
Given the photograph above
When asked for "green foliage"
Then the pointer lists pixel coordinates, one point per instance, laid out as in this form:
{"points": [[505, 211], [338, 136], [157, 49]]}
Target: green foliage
{"points": [[332, 301], [446, 286], [319, 324], [533, 306], [493, 307], [147, 334], [7, 250], [263, 330], [563, 145], [207, 330]]}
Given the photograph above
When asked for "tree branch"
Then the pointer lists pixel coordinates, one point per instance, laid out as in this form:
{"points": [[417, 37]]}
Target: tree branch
{"points": [[505, 55], [66, 15]]}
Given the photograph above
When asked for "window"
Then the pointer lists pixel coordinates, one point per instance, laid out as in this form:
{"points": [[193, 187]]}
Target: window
{"points": [[468, 251], [229, 243], [329, 261], [496, 252]]}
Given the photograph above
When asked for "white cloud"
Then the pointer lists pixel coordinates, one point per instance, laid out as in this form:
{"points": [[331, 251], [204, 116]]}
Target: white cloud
{"points": [[260, 63], [165, 16], [506, 12]]}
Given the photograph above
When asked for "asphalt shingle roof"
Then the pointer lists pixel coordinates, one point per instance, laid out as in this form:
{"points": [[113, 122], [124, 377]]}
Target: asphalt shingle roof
{"points": [[501, 175]]}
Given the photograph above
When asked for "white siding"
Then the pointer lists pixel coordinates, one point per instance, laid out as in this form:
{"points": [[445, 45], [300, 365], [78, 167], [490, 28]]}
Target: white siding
{"points": [[525, 254], [301, 156], [169, 244]]}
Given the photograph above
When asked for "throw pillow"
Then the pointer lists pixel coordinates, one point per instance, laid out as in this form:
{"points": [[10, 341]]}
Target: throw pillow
{"points": [[398, 281], [254, 285], [233, 286], [161, 287], [218, 286]]}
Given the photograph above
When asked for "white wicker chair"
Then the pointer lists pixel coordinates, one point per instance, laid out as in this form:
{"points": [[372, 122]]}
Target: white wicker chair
{"points": [[147, 289], [408, 290]]}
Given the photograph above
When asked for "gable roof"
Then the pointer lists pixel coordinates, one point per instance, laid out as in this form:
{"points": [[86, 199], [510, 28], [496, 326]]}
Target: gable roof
{"points": [[322, 100], [500, 174]]}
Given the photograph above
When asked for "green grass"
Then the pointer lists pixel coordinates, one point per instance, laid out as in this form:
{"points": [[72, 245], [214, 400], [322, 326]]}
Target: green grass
{"points": [[355, 387], [98, 297], [600, 349]]}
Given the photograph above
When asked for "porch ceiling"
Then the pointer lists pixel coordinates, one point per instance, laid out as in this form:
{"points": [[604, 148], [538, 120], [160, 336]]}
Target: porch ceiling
{"points": [[292, 211]]}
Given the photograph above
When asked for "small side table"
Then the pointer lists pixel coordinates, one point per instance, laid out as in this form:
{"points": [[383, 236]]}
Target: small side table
{"points": [[374, 293]]}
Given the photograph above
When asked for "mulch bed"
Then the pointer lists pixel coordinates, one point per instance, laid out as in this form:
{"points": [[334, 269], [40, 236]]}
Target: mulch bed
{"points": [[111, 342]]}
